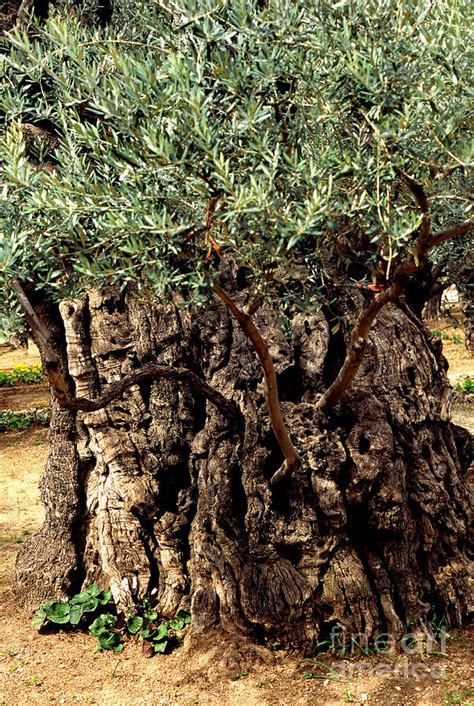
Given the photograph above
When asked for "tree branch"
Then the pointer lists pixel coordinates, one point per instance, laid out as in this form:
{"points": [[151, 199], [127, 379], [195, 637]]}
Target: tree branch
{"points": [[147, 372], [355, 352], [23, 12], [50, 358], [360, 333], [292, 459], [420, 197], [153, 371], [442, 235]]}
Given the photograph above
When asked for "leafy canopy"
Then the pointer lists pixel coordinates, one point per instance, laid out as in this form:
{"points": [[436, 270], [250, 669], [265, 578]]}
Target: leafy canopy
{"points": [[282, 133]]}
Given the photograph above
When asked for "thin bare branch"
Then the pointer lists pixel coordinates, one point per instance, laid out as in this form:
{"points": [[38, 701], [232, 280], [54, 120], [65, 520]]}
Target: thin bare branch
{"points": [[154, 371], [292, 459], [355, 352], [422, 200], [24, 12], [253, 306]]}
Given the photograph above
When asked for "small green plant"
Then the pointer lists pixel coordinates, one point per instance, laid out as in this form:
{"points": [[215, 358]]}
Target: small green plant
{"points": [[103, 628], [333, 645], [440, 334], [94, 609], [466, 386], [439, 626], [239, 675], [73, 611], [20, 538], [348, 697], [21, 374], [461, 696], [160, 634], [19, 421], [325, 672], [455, 338], [13, 421]]}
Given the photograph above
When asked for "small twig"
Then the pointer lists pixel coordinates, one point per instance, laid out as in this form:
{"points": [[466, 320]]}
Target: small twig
{"points": [[292, 459], [253, 306], [23, 12]]}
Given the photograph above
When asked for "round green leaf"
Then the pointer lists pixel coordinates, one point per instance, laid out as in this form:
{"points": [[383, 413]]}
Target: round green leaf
{"points": [[75, 614], [90, 605], [80, 598], [39, 619], [160, 647], [102, 623], [162, 632], [134, 624], [147, 633], [184, 615], [151, 615], [104, 596], [110, 641], [57, 612]]}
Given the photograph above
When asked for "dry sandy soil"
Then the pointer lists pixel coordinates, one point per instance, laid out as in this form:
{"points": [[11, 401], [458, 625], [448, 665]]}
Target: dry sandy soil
{"points": [[65, 668]]}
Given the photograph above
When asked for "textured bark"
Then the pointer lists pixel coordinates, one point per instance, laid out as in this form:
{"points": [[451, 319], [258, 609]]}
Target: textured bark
{"points": [[468, 312], [432, 310], [51, 563], [165, 491]]}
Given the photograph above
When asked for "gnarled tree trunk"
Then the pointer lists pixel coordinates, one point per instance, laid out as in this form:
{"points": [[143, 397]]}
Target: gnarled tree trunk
{"points": [[468, 312], [160, 490]]}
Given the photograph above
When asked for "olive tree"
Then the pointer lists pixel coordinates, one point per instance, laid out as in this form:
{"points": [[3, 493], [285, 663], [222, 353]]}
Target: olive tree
{"points": [[217, 219]]}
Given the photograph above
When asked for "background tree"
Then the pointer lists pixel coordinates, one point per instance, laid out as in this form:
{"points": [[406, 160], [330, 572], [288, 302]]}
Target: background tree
{"points": [[243, 194], [453, 265]]}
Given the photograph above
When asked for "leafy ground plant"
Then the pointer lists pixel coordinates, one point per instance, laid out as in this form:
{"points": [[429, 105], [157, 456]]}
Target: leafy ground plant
{"points": [[95, 610], [160, 634], [466, 386], [17, 421], [455, 338]]}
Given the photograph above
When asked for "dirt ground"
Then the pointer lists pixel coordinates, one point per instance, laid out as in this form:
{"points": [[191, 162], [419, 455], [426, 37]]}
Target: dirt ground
{"points": [[65, 668]]}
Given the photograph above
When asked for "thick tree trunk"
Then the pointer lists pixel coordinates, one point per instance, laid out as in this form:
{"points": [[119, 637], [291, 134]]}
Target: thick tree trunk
{"points": [[161, 490], [432, 310], [468, 312]]}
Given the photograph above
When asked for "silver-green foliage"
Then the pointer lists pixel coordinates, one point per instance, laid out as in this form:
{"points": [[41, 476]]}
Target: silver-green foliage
{"points": [[279, 132]]}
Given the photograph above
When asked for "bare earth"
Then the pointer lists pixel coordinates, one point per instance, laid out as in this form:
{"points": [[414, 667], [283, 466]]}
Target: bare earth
{"points": [[65, 668]]}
